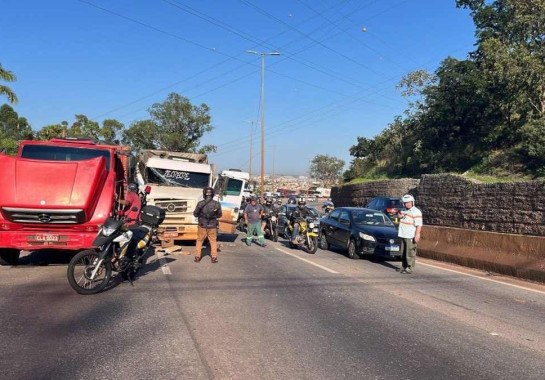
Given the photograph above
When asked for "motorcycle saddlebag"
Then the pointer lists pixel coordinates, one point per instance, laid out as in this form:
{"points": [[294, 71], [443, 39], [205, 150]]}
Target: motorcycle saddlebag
{"points": [[152, 215]]}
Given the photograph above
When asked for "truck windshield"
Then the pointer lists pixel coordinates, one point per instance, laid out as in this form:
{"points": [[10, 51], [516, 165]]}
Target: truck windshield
{"points": [[234, 187], [177, 178], [63, 153]]}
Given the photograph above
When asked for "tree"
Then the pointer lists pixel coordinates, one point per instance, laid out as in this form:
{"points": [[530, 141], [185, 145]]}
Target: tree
{"points": [[7, 76], [326, 169], [12, 129], [143, 134], [180, 124]]}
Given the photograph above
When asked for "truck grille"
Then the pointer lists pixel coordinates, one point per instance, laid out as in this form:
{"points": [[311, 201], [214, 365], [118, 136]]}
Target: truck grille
{"points": [[43, 216], [172, 205]]}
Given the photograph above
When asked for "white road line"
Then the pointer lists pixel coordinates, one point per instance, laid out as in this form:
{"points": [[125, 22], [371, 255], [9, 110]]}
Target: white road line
{"points": [[307, 261], [483, 278], [164, 265]]}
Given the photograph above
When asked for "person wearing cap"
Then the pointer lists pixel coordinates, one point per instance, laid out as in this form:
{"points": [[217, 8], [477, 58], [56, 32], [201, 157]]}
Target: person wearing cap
{"points": [[252, 216], [410, 224], [208, 212]]}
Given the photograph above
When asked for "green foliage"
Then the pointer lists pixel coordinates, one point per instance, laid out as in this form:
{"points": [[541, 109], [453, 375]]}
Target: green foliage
{"points": [[484, 114], [175, 125], [12, 129], [326, 168], [82, 127], [7, 76]]}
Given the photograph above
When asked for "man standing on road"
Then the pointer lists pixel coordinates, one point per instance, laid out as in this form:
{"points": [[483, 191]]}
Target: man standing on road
{"points": [[208, 211], [410, 225], [252, 217]]}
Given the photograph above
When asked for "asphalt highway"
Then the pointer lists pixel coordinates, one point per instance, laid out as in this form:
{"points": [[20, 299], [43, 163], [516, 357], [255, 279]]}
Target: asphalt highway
{"points": [[271, 313]]}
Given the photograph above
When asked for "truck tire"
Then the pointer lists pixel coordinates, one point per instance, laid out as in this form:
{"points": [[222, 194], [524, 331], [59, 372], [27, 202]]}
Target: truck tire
{"points": [[9, 256]]}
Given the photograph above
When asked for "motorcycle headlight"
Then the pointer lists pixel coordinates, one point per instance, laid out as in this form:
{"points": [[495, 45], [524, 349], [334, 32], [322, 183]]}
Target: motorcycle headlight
{"points": [[107, 231], [366, 237], [273, 218], [311, 225]]}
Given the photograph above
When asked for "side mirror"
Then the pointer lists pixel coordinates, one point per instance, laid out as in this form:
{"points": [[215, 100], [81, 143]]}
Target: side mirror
{"points": [[147, 189]]}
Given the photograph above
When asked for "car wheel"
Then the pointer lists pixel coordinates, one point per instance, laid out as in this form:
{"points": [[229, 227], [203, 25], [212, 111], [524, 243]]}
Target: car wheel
{"points": [[352, 250], [9, 256], [323, 242]]}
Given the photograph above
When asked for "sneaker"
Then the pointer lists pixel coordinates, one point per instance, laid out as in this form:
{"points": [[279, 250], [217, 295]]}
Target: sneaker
{"points": [[214, 260], [263, 245], [408, 271], [403, 271], [197, 259]]}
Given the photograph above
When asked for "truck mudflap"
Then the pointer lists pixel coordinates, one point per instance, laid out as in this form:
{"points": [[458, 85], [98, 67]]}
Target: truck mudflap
{"points": [[35, 240]]}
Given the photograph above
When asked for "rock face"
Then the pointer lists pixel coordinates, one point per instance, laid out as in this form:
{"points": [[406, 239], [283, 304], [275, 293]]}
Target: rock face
{"points": [[453, 201]]}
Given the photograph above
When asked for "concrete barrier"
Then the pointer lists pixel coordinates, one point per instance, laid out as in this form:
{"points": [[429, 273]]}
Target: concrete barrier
{"points": [[519, 256]]}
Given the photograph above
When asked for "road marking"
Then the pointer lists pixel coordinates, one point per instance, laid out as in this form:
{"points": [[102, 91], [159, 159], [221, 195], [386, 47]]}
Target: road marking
{"points": [[483, 278], [307, 261], [163, 263]]}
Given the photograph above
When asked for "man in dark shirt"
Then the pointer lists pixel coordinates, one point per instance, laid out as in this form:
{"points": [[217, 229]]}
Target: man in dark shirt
{"points": [[301, 212], [132, 204], [208, 212], [252, 217]]}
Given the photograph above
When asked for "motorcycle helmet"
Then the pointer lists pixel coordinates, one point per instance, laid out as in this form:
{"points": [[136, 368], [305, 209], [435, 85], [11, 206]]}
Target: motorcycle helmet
{"points": [[268, 201], [407, 198], [208, 192], [132, 187], [301, 203]]}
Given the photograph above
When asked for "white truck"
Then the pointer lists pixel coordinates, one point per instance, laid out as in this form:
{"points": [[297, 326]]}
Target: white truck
{"points": [[177, 180], [230, 189]]}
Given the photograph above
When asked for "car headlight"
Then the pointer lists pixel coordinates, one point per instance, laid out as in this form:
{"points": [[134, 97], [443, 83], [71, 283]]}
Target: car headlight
{"points": [[107, 231], [311, 225], [273, 218], [366, 237]]}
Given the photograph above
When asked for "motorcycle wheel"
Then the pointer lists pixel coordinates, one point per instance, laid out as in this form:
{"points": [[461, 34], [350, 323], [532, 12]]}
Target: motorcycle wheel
{"points": [[275, 235], [312, 245], [287, 233], [80, 269]]}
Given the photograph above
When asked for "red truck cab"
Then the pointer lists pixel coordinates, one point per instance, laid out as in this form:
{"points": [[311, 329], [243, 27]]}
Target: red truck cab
{"points": [[55, 194]]}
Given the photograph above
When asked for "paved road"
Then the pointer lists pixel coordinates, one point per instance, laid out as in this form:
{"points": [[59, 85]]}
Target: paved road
{"points": [[272, 313]]}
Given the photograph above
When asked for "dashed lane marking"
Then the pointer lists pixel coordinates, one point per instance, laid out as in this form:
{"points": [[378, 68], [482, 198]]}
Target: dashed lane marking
{"points": [[307, 261], [163, 263]]}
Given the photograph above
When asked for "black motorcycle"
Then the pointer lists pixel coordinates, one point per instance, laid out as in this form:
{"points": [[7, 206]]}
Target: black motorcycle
{"points": [[270, 231], [119, 249]]}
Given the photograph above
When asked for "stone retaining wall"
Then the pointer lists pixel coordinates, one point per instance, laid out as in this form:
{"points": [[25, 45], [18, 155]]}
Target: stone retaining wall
{"points": [[498, 227]]}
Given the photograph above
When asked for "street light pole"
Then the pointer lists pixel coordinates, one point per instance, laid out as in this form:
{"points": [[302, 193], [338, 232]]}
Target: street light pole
{"points": [[262, 55]]}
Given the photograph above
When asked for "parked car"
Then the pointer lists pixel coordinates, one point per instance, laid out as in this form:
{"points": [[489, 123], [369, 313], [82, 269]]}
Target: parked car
{"points": [[361, 231], [388, 205], [285, 214]]}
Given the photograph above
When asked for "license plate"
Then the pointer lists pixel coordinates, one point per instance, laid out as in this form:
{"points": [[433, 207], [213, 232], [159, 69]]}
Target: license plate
{"points": [[392, 248], [44, 237], [170, 234]]}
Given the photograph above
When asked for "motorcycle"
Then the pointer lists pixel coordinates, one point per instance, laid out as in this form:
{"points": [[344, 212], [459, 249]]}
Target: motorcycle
{"points": [[307, 236], [119, 248], [270, 226]]}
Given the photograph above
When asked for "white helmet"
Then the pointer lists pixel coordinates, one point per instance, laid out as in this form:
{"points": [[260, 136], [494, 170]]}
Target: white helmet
{"points": [[407, 198]]}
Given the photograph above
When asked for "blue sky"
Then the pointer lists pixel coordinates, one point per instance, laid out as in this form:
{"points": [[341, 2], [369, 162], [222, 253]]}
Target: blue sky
{"points": [[332, 82]]}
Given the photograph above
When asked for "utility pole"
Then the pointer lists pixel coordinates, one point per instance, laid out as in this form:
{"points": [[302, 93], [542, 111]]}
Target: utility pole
{"points": [[262, 55], [252, 124]]}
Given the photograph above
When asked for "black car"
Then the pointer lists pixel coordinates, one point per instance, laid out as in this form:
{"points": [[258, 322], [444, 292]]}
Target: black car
{"points": [[361, 231], [388, 205], [285, 214]]}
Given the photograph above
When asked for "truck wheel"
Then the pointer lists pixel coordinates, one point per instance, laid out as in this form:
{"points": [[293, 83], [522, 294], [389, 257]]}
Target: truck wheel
{"points": [[9, 256]]}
